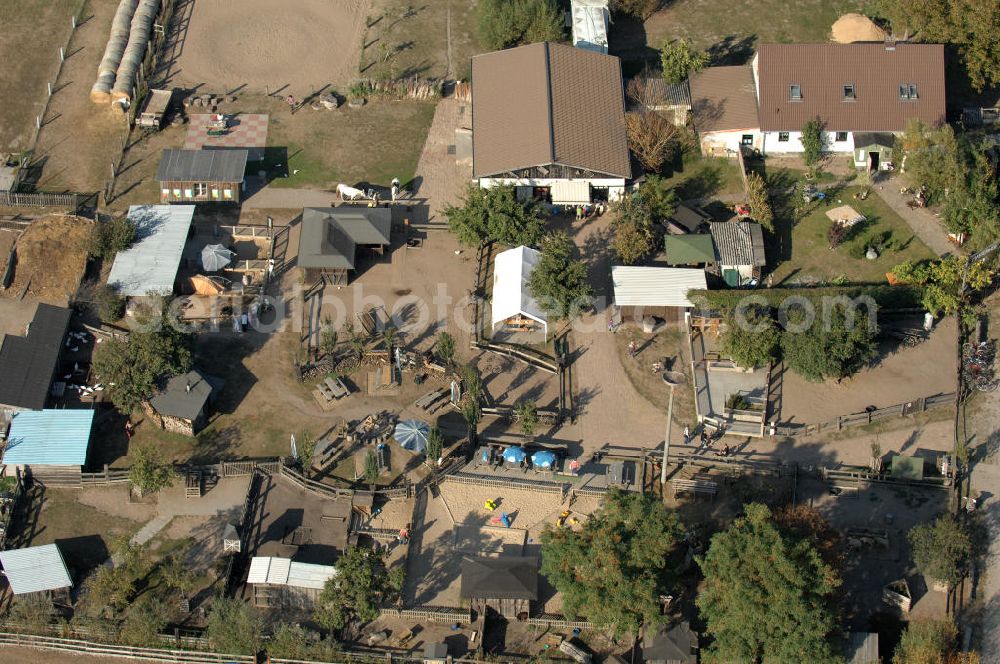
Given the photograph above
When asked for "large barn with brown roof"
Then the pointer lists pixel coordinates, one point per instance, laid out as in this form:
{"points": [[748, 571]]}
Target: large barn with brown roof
{"points": [[550, 120], [864, 93]]}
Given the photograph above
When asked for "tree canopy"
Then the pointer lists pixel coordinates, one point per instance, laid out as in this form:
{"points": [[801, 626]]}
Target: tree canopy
{"points": [[969, 25], [652, 138], [131, 366], [634, 237], [559, 281], [494, 214], [505, 23], [148, 472], [927, 642], [768, 596], [813, 142], [615, 568], [942, 280], [361, 585], [942, 551], [750, 337], [759, 201], [234, 627], [661, 198], [679, 60], [835, 345]]}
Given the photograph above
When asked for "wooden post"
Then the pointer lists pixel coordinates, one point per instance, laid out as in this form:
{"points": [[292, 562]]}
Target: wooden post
{"points": [[62, 52]]}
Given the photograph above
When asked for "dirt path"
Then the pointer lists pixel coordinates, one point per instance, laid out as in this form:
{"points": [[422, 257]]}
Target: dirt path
{"points": [[440, 179], [922, 221], [19, 655]]}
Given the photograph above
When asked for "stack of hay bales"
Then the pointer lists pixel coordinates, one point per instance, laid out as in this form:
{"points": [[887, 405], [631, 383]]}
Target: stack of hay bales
{"points": [[108, 69], [130, 32]]}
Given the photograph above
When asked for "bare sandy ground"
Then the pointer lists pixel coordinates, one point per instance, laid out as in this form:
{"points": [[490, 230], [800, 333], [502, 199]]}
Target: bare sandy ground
{"points": [[302, 44]]}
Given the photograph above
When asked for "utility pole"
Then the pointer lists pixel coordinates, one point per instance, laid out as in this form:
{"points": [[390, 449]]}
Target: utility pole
{"points": [[666, 439]]}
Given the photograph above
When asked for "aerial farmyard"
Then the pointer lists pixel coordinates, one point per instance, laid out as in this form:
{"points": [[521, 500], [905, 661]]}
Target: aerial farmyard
{"points": [[499, 330]]}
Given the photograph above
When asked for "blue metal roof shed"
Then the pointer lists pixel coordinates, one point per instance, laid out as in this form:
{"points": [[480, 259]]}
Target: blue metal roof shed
{"points": [[35, 569], [49, 438]]}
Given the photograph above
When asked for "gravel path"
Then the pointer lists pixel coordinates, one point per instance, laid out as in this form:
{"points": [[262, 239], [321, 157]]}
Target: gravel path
{"points": [[922, 221]]}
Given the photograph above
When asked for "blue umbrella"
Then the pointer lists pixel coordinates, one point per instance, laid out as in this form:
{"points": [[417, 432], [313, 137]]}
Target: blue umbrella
{"points": [[514, 455], [543, 459], [412, 435]]}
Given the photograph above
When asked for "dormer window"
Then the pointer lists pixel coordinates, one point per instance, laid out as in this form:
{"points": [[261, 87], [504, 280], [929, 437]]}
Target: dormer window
{"points": [[849, 92], [908, 91], [794, 92]]}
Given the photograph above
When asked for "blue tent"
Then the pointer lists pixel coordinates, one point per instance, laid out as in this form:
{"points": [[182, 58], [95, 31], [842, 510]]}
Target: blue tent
{"points": [[543, 459], [514, 455]]}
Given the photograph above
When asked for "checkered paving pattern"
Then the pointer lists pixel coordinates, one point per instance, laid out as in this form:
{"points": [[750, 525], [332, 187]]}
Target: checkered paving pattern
{"points": [[247, 131]]}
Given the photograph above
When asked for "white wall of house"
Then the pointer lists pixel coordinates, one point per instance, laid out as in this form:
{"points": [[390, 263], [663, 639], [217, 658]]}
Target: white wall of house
{"points": [[616, 186], [719, 142], [772, 144]]}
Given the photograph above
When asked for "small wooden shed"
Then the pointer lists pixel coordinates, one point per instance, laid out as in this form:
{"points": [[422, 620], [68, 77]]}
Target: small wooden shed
{"points": [[507, 585]]}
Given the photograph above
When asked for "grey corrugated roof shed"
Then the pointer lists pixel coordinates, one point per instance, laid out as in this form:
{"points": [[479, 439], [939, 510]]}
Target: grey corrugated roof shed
{"points": [[876, 72], [35, 569], [177, 400], [674, 94], [150, 265], [724, 99], [329, 236], [739, 243], [202, 166], [645, 286], [511, 577], [27, 363], [546, 104]]}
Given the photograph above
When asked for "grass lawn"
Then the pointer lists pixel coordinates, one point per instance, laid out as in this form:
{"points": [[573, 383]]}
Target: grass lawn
{"points": [[730, 30], [375, 143], [31, 32], [703, 177], [811, 260]]}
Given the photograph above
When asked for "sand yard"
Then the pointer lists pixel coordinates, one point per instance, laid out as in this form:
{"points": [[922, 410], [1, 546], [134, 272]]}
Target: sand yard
{"points": [[51, 258], [294, 47]]}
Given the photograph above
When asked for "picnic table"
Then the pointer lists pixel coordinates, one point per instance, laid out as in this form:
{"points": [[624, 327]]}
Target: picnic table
{"points": [[430, 401], [337, 387]]}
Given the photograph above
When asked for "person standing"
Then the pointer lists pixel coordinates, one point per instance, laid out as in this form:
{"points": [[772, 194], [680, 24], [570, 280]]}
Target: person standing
{"points": [[129, 429]]}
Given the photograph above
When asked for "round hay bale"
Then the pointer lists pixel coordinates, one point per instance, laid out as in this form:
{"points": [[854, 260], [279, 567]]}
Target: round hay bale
{"points": [[852, 28], [196, 101]]}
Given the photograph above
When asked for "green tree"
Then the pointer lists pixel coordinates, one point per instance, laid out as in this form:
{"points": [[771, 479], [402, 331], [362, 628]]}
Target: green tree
{"points": [[751, 337], [969, 25], [110, 589], [435, 445], [634, 238], [144, 621], [615, 568], [679, 60], [813, 142], [149, 472], [110, 304], [131, 366], [833, 346], [661, 198], [327, 337], [472, 382], [295, 642], [306, 447], [444, 347], [559, 281], [506, 23], [177, 575], [926, 642], [759, 201], [494, 214], [356, 340], [935, 160], [372, 470], [109, 237], [642, 9], [942, 280], [767, 597], [527, 415], [234, 627], [361, 586], [942, 551]]}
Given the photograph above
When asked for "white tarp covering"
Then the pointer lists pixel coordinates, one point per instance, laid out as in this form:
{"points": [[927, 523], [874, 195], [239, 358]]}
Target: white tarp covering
{"points": [[655, 286], [511, 297], [284, 572], [590, 24], [570, 192]]}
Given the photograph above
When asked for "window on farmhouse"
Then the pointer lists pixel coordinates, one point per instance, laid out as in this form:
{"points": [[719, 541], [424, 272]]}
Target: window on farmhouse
{"points": [[795, 92], [849, 93], [841, 136], [782, 136]]}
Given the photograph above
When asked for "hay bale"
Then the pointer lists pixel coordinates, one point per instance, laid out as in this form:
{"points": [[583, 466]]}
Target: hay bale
{"points": [[852, 28]]}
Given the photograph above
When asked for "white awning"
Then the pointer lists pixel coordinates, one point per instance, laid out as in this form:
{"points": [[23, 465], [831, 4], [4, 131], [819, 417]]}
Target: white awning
{"points": [[511, 270], [570, 192], [655, 286]]}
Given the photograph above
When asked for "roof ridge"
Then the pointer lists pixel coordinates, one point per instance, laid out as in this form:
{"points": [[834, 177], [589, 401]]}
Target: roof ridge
{"points": [[551, 128]]}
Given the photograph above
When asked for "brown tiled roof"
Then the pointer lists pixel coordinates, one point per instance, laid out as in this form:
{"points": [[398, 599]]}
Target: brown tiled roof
{"points": [[723, 99], [821, 71], [546, 104]]}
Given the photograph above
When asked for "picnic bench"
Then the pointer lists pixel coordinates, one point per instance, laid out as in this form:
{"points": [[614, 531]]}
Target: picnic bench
{"points": [[694, 487], [433, 401], [337, 387]]}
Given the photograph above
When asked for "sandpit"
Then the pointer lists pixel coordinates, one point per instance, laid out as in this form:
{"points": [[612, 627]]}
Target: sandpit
{"points": [[301, 44], [852, 28], [51, 258]]}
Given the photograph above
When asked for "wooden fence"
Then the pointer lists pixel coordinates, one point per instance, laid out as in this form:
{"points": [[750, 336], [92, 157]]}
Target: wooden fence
{"points": [[441, 614], [505, 483], [868, 417], [11, 199], [254, 232], [314, 486], [81, 646]]}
